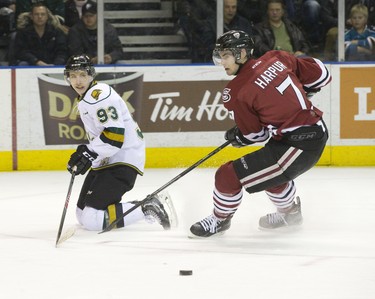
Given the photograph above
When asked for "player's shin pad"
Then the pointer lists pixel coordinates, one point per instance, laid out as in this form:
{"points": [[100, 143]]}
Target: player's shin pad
{"points": [[112, 213], [166, 201]]}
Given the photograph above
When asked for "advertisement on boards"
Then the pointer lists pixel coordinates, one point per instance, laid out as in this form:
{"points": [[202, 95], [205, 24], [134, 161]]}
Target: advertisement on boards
{"points": [[357, 103], [157, 106]]}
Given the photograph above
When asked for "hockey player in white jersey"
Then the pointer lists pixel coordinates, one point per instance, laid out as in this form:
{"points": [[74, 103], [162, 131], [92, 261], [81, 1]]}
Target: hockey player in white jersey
{"points": [[116, 153]]}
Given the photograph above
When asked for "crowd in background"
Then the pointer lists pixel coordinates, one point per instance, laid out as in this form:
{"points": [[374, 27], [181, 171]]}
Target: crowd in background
{"points": [[303, 27], [47, 32]]}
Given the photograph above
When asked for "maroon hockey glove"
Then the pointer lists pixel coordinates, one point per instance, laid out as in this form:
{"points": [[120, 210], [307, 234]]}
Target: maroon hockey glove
{"points": [[82, 158], [236, 138]]}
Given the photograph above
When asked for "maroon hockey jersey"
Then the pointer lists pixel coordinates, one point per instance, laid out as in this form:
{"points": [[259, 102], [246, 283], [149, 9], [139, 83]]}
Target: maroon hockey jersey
{"points": [[268, 96]]}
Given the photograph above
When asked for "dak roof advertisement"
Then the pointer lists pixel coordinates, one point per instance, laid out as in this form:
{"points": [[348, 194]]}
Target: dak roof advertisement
{"points": [[157, 106]]}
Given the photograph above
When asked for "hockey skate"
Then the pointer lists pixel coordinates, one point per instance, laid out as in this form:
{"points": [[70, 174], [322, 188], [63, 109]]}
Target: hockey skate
{"points": [[160, 209], [166, 200], [280, 220], [210, 226]]}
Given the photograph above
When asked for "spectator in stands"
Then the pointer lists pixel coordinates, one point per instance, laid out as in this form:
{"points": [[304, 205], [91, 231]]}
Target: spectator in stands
{"points": [[56, 7], [279, 33], [370, 4], [7, 16], [359, 40], [252, 10], [82, 37], [191, 15], [232, 21], [306, 14], [330, 22], [7, 27], [73, 11], [311, 23], [329, 15], [39, 38]]}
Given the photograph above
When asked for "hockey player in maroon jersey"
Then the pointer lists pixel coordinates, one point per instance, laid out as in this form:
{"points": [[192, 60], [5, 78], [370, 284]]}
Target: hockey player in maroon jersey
{"points": [[269, 102]]}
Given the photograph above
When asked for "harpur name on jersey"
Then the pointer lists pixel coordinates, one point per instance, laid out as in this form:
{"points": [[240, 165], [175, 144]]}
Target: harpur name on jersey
{"points": [[269, 74]]}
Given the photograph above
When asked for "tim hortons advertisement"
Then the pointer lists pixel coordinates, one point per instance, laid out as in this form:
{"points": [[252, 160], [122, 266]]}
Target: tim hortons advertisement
{"points": [[357, 103], [183, 106]]}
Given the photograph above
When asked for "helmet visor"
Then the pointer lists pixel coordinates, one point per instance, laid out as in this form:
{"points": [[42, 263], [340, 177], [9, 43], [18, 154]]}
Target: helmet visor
{"points": [[223, 56]]}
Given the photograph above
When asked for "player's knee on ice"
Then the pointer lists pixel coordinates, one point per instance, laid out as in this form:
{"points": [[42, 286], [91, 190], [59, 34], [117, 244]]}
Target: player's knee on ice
{"points": [[90, 218], [93, 219]]}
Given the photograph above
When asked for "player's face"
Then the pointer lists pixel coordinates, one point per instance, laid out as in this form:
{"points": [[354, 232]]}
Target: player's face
{"points": [[80, 81], [228, 61]]}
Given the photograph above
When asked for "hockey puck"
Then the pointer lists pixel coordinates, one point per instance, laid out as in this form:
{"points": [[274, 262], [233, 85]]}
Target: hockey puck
{"points": [[186, 272]]}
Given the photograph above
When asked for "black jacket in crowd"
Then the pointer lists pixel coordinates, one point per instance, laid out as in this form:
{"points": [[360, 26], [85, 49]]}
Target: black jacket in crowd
{"points": [[265, 39], [50, 48], [209, 32], [81, 41]]}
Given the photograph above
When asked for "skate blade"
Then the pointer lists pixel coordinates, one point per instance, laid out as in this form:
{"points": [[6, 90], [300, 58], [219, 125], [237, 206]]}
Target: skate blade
{"points": [[166, 200], [192, 236], [282, 229]]}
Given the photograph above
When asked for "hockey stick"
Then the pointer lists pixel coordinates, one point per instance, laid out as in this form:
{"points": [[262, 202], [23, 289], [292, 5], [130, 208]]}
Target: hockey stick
{"points": [[113, 224], [66, 205], [66, 235]]}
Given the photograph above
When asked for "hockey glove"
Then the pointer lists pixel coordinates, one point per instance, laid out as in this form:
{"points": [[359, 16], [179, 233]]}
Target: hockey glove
{"points": [[310, 92], [82, 158], [236, 138]]}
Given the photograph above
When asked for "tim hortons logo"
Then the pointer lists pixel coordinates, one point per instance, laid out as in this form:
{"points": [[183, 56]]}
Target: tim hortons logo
{"points": [[167, 108], [363, 104]]}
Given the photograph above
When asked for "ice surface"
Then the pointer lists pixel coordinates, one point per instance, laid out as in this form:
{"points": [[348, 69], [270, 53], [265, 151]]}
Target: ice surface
{"points": [[332, 256]]}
